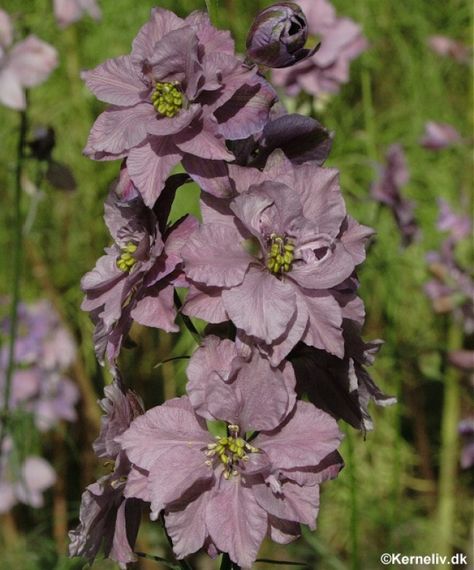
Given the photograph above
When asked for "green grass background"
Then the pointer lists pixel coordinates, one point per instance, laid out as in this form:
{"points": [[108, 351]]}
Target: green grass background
{"points": [[387, 498]]}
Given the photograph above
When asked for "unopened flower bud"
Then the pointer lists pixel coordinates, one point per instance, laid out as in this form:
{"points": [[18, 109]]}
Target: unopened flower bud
{"points": [[278, 35]]}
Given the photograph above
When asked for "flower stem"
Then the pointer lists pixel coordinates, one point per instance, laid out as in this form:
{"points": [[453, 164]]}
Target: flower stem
{"points": [[449, 456], [354, 518], [212, 9], [15, 283], [227, 564]]}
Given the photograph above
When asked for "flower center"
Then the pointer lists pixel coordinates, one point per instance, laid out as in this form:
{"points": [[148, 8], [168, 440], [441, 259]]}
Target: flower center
{"points": [[167, 99], [126, 260], [280, 254], [229, 450]]}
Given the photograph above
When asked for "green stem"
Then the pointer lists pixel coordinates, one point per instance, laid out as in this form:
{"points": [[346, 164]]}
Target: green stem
{"points": [[449, 453], [186, 320], [15, 283], [354, 529], [213, 9], [227, 564]]}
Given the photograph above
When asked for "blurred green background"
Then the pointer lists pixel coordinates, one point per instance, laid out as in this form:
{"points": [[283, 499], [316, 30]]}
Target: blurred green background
{"points": [[387, 498]]}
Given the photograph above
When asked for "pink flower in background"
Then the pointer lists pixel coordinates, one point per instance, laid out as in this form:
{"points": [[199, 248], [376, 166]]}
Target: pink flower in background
{"points": [[25, 64], [24, 483], [69, 11], [448, 47], [439, 135], [324, 72]]}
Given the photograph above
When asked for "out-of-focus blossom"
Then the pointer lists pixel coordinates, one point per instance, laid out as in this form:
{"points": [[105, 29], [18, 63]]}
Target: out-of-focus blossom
{"points": [[278, 35], [393, 176], [107, 517], [324, 72], [459, 226], [44, 349], [67, 12], [165, 107], [466, 430], [462, 359], [233, 490], [270, 258], [448, 47], [341, 387], [439, 135], [135, 279], [25, 64], [23, 482]]}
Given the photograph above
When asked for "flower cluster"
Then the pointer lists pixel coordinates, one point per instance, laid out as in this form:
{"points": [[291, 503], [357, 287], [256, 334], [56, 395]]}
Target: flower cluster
{"points": [[40, 393], [270, 266]]}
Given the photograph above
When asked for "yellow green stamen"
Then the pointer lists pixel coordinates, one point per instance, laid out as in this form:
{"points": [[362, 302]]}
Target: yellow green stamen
{"points": [[229, 450], [280, 254], [167, 99], [126, 260]]}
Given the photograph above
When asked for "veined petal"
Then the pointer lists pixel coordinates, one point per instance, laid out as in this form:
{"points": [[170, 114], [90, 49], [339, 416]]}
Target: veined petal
{"points": [[161, 23]]}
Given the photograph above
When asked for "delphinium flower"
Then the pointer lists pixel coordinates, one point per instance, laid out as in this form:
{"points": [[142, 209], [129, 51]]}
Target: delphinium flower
{"points": [[261, 476], [44, 350], [341, 387], [281, 248], [182, 92], [393, 176], [278, 35], [439, 135], [135, 279], [22, 481], [447, 47], [67, 12], [109, 519], [324, 72], [452, 288], [22, 65]]}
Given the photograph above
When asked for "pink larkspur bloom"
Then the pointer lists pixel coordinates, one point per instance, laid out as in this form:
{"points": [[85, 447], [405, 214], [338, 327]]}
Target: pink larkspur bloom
{"points": [[277, 259], [67, 12], [26, 64], [234, 491], [182, 92], [325, 71], [447, 47]]}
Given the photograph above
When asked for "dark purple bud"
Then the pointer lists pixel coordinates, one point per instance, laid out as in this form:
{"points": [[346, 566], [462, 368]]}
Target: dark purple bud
{"points": [[278, 35]]}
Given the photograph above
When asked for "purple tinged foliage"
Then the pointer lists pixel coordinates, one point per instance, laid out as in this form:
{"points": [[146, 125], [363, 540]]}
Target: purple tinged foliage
{"points": [[25, 64], [67, 12], [109, 518], [324, 72], [135, 279], [281, 247], [393, 177], [181, 92], [261, 478], [278, 35], [439, 135]]}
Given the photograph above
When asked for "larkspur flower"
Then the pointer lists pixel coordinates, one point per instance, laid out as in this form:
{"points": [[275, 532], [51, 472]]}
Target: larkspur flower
{"points": [[393, 176], [135, 279], [109, 519], [447, 47], [261, 476], [278, 35], [342, 388], [25, 64], [324, 72], [182, 92], [271, 258], [439, 135], [24, 482], [67, 12]]}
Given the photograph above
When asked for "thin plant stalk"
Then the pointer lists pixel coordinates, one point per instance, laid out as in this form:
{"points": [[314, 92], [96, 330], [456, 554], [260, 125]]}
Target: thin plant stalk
{"points": [[449, 453], [354, 518], [17, 243], [212, 9]]}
